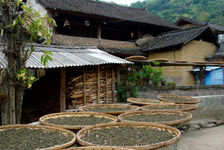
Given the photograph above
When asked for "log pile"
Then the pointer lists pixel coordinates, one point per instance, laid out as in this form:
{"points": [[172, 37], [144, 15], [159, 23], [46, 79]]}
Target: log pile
{"points": [[79, 92]]}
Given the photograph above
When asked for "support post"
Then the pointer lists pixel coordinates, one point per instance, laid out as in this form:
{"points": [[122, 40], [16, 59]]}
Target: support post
{"points": [[99, 36], [98, 84], [112, 84], [118, 76], [84, 86], [106, 88], [99, 32], [62, 90]]}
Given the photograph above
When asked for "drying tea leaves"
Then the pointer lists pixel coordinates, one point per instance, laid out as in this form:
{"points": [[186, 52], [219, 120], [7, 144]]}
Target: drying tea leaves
{"points": [[107, 109], [160, 117], [178, 99], [27, 139], [126, 136], [78, 120], [166, 107]]}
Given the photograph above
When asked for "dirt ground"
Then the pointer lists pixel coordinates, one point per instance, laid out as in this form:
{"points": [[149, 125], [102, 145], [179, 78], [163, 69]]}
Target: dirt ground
{"points": [[206, 139]]}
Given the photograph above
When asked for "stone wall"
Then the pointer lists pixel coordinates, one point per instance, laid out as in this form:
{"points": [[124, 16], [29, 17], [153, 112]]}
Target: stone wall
{"points": [[210, 112], [147, 92]]}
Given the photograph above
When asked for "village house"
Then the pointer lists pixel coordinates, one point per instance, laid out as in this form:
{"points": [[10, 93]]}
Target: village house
{"points": [[83, 71], [190, 45], [185, 22]]}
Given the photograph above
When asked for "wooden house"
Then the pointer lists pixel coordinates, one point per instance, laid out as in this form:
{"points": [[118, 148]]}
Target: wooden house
{"points": [[186, 45], [110, 27]]}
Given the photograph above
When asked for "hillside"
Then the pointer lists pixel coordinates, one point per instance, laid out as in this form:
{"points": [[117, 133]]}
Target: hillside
{"points": [[204, 10]]}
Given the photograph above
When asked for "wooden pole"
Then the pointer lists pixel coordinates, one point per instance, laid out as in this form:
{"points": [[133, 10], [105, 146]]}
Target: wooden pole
{"points": [[99, 36], [62, 90], [98, 84], [106, 88], [99, 32], [112, 84], [84, 86]]}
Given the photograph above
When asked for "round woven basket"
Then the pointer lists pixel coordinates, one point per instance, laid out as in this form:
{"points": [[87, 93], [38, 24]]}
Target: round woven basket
{"points": [[190, 99], [142, 101], [98, 148], [188, 116], [136, 58], [132, 108], [69, 114], [46, 128], [166, 107], [159, 127]]}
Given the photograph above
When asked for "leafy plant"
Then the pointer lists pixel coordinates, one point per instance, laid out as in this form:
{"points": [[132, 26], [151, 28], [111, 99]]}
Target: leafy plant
{"points": [[122, 92]]}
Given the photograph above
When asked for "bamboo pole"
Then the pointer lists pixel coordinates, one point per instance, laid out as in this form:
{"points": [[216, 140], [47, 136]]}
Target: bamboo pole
{"points": [[84, 86], [98, 84], [62, 90]]}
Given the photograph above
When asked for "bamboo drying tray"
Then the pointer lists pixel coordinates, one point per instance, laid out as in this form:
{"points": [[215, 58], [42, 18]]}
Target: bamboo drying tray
{"points": [[142, 101], [193, 100], [132, 108], [199, 62], [68, 114], [181, 61], [159, 127], [188, 116], [160, 59], [98, 148], [46, 128], [136, 58], [179, 107]]}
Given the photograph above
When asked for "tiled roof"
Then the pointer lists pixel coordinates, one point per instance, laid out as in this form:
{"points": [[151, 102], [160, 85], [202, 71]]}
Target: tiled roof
{"points": [[106, 10], [118, 48], [64, 56], [197, 22], [176, 38]]}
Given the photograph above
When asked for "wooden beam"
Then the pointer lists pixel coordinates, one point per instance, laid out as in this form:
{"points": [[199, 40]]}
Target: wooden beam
{"points": [[84, 86], [98, 84], [112, 84], [62, 90], [106, 88]]}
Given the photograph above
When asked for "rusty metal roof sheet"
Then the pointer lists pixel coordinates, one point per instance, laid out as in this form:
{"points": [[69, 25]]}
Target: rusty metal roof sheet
{"points": [[64, 56]]}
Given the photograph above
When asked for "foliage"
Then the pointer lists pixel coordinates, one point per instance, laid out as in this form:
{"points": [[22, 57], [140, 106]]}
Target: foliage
{"points": [[122, 92], [171, 10], [143, 75], [24, 78]]}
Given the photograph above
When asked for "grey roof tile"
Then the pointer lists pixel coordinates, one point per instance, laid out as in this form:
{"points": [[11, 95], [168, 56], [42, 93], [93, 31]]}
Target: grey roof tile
{"points": [[106, 10]]}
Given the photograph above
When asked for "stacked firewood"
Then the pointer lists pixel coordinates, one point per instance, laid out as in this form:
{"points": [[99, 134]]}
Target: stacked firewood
{"points": [[76, 89]]}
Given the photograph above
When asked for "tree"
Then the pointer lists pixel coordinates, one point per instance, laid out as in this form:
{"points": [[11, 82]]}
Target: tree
{"points": [[21, 27]]}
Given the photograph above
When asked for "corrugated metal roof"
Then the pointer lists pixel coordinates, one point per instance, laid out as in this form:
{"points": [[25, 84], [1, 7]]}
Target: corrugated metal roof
{"points": [[64, 56]]}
